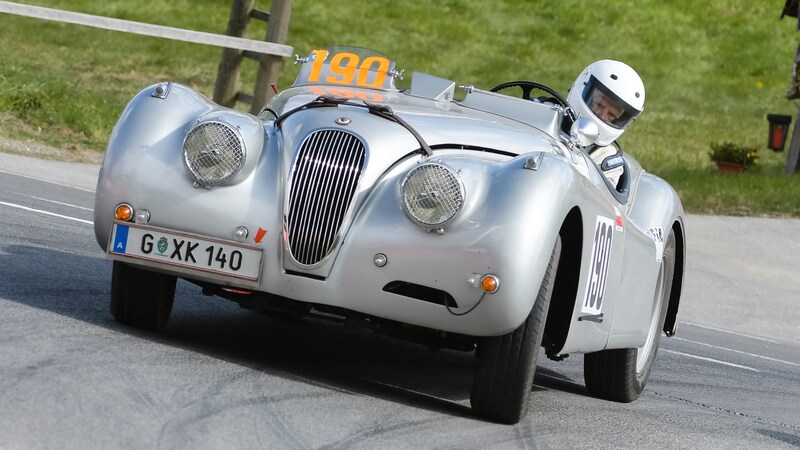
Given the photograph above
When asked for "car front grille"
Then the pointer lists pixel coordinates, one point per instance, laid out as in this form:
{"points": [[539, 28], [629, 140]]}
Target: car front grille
{"points": [[324, 180]]}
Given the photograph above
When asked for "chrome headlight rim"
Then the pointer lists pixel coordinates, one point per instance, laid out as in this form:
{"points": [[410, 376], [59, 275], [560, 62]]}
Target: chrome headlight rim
{"points": [[460, 190], [200, 179]]}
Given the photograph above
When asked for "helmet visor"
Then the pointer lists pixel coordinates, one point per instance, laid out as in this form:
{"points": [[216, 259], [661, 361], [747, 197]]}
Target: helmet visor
{"points": [[607, 106]]}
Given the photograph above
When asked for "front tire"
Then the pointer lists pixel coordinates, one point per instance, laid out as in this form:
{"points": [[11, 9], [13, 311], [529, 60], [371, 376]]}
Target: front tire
{"points": [[140, 298], [506, 364], [621, 374]]}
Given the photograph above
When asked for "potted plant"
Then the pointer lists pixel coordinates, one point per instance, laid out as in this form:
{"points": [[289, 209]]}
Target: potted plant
{"points": [[733, 158]]}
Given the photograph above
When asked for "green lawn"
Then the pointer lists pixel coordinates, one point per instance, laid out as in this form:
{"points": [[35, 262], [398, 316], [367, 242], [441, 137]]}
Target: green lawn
{"points": [[713, 70]]}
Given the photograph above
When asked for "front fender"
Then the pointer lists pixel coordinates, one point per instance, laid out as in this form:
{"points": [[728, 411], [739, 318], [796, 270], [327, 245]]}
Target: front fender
{"points": [[508, 228], [151, 126]]}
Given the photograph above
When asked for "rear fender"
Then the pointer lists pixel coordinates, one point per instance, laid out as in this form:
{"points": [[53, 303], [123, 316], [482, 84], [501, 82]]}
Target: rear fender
{"points": [[657, 205]]}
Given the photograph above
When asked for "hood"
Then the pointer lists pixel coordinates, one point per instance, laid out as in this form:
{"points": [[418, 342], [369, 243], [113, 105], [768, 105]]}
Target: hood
{"points": [[439, 123]]}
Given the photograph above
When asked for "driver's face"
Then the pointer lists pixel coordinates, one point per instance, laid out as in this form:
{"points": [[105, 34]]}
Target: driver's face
{"points": [[604, 108]]}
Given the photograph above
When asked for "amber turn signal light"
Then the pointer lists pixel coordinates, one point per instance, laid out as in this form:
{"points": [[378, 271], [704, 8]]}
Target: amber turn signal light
{"points": [[490, 284], [123, 212]]}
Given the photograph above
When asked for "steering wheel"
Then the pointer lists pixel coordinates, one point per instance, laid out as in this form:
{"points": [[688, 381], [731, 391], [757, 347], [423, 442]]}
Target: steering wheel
{"points": [[528, 86]]}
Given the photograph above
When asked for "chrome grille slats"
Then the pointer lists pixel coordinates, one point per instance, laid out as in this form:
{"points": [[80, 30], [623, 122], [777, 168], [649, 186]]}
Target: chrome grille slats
{"points": [[338, 184], [323, 201], [325, 177], [306, 169]]}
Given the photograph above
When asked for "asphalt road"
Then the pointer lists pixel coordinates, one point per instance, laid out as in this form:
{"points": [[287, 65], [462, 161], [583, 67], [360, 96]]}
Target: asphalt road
{"points": [[222, 377]]}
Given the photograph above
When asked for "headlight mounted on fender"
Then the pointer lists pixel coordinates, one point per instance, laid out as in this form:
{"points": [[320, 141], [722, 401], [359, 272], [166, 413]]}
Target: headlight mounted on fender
{"points": [[433, 194], [214, 152]]}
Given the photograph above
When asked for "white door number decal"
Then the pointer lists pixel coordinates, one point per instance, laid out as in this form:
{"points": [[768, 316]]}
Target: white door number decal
{"points": [[598, 269]]}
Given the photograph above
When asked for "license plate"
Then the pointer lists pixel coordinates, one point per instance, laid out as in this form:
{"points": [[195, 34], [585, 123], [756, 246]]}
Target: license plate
{"points": [[186, 250]]}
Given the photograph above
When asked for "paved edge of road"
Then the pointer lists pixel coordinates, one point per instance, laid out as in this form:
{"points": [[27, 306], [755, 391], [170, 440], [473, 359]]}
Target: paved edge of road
{"points": [[80, 175]]}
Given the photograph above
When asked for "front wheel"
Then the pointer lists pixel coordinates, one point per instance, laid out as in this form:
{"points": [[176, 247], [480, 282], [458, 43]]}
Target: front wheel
{"points": [[140, 298], [621, 374], [506, 364]]}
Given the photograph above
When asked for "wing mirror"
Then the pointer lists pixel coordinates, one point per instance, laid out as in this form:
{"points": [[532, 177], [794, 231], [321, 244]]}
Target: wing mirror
{"points": [[584, 132]]}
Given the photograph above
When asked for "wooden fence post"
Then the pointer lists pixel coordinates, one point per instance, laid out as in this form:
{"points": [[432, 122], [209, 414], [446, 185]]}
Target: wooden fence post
{"points": [[271, 65], [226, 87], [793, 158]]}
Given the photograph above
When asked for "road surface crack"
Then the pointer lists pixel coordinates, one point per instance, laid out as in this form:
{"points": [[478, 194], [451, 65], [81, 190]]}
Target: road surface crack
{"points": [[729, 411]]}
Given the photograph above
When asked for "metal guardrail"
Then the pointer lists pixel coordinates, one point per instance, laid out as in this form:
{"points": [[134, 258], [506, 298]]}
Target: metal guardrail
{"points": [[127, 26]]}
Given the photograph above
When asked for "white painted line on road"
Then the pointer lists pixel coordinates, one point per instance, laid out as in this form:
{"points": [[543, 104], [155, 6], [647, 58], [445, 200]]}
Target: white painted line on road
{"points": [[706, 327], [58, 203], [710, 360], [12, 205], [737, 351], [47, 181]]}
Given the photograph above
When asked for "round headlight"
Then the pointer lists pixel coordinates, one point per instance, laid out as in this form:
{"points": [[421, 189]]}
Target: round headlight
{"points": [[432, 195], [213, 152]]}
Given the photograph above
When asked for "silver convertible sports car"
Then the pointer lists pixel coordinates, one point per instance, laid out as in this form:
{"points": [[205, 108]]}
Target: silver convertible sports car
{"points": [[460, 218]]}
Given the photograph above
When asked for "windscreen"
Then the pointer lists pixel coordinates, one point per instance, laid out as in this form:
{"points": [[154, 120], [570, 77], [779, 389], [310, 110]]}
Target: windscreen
{"points": [[347, 66]]}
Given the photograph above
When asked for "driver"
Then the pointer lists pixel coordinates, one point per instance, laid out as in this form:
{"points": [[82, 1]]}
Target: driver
{"points": [[610, 93]]}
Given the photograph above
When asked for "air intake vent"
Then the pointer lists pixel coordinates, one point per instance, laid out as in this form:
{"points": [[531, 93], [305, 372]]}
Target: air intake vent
{"points": [[419, 292], [324, 180]]}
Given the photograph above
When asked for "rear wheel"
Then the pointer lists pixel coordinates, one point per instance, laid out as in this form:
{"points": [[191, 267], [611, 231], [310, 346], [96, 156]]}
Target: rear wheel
{"points": [[621, 374], [506, 364], [140, 298]]}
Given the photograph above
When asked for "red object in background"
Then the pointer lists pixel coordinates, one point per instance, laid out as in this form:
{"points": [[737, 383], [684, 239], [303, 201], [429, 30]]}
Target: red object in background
{"points": [[778, 129]]}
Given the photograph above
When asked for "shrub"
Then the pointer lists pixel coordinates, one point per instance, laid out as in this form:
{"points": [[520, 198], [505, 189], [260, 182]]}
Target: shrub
{"points": [[732, 153]]}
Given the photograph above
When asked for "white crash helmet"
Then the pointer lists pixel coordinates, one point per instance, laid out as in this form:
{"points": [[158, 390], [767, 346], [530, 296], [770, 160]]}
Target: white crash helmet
{"points": [[610, 85]]}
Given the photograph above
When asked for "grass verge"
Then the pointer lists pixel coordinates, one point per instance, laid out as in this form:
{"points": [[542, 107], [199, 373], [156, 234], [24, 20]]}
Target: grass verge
{"points": [[713, 70]]}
